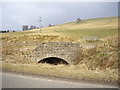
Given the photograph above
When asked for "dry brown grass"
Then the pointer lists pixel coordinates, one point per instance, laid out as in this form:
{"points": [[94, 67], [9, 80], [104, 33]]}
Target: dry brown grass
{"points": [[99, 63], [76, 72], [96, 64], [102, 56], [37, 38]]}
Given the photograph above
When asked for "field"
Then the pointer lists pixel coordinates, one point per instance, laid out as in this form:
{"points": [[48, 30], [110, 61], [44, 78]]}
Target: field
{"points": [[99, 63], [100, 27]]}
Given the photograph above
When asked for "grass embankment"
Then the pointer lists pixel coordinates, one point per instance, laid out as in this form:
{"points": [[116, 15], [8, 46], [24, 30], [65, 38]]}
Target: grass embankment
{"points": [[98, 64], [75, 72]]}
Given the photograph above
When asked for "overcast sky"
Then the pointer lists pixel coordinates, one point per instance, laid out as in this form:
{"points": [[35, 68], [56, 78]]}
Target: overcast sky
{"points": [[16, 14]]}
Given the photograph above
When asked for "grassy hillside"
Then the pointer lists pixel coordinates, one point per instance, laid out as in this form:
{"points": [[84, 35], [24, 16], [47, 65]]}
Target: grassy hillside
{"points": [[102, 28], [99, 27], [97, 63]]}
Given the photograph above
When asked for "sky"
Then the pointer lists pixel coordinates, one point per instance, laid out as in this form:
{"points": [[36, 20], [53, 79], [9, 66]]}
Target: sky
{"points": [[16, 14]]}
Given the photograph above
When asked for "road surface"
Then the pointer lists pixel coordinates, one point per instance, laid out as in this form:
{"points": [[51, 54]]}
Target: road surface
{"points": [[10, 80]]}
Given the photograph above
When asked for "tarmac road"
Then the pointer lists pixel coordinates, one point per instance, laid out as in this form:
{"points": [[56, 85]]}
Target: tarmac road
{"points": [[10, 80]]}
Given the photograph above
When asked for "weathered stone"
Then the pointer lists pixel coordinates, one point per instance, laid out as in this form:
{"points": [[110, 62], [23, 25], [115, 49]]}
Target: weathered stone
{"points": [[65, 50]]}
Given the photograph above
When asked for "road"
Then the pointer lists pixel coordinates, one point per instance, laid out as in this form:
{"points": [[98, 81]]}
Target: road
{"points": [[10, 80]]}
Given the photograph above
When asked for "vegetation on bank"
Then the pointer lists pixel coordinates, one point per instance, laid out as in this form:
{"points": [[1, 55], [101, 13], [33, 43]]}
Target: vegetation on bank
{"points": [[73, 72], [99, 63]]}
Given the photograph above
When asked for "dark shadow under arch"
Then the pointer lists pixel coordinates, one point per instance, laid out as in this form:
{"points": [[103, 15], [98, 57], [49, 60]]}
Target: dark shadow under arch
{"points": [[53, 60]]}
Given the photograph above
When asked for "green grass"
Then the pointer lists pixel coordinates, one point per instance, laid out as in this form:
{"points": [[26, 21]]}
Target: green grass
{"points": [[101, 27], [101, 33]]}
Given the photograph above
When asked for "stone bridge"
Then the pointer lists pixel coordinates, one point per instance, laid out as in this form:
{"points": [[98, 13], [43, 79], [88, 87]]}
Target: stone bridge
{"points": [[57, 52]]}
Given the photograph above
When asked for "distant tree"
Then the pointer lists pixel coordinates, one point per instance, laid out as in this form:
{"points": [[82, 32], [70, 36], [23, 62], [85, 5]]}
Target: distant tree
{"points": [[78, 20], [50, 25], [13, 30], [3, 31], [7, 31]]}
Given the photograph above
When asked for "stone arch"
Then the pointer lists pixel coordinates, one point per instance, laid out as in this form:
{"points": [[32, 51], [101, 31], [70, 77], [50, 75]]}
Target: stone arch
{"points": [[53, 60], [69, 52]]}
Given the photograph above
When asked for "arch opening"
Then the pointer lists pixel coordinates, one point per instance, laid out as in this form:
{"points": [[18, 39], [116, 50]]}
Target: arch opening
{"points": [[53, 61]]}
